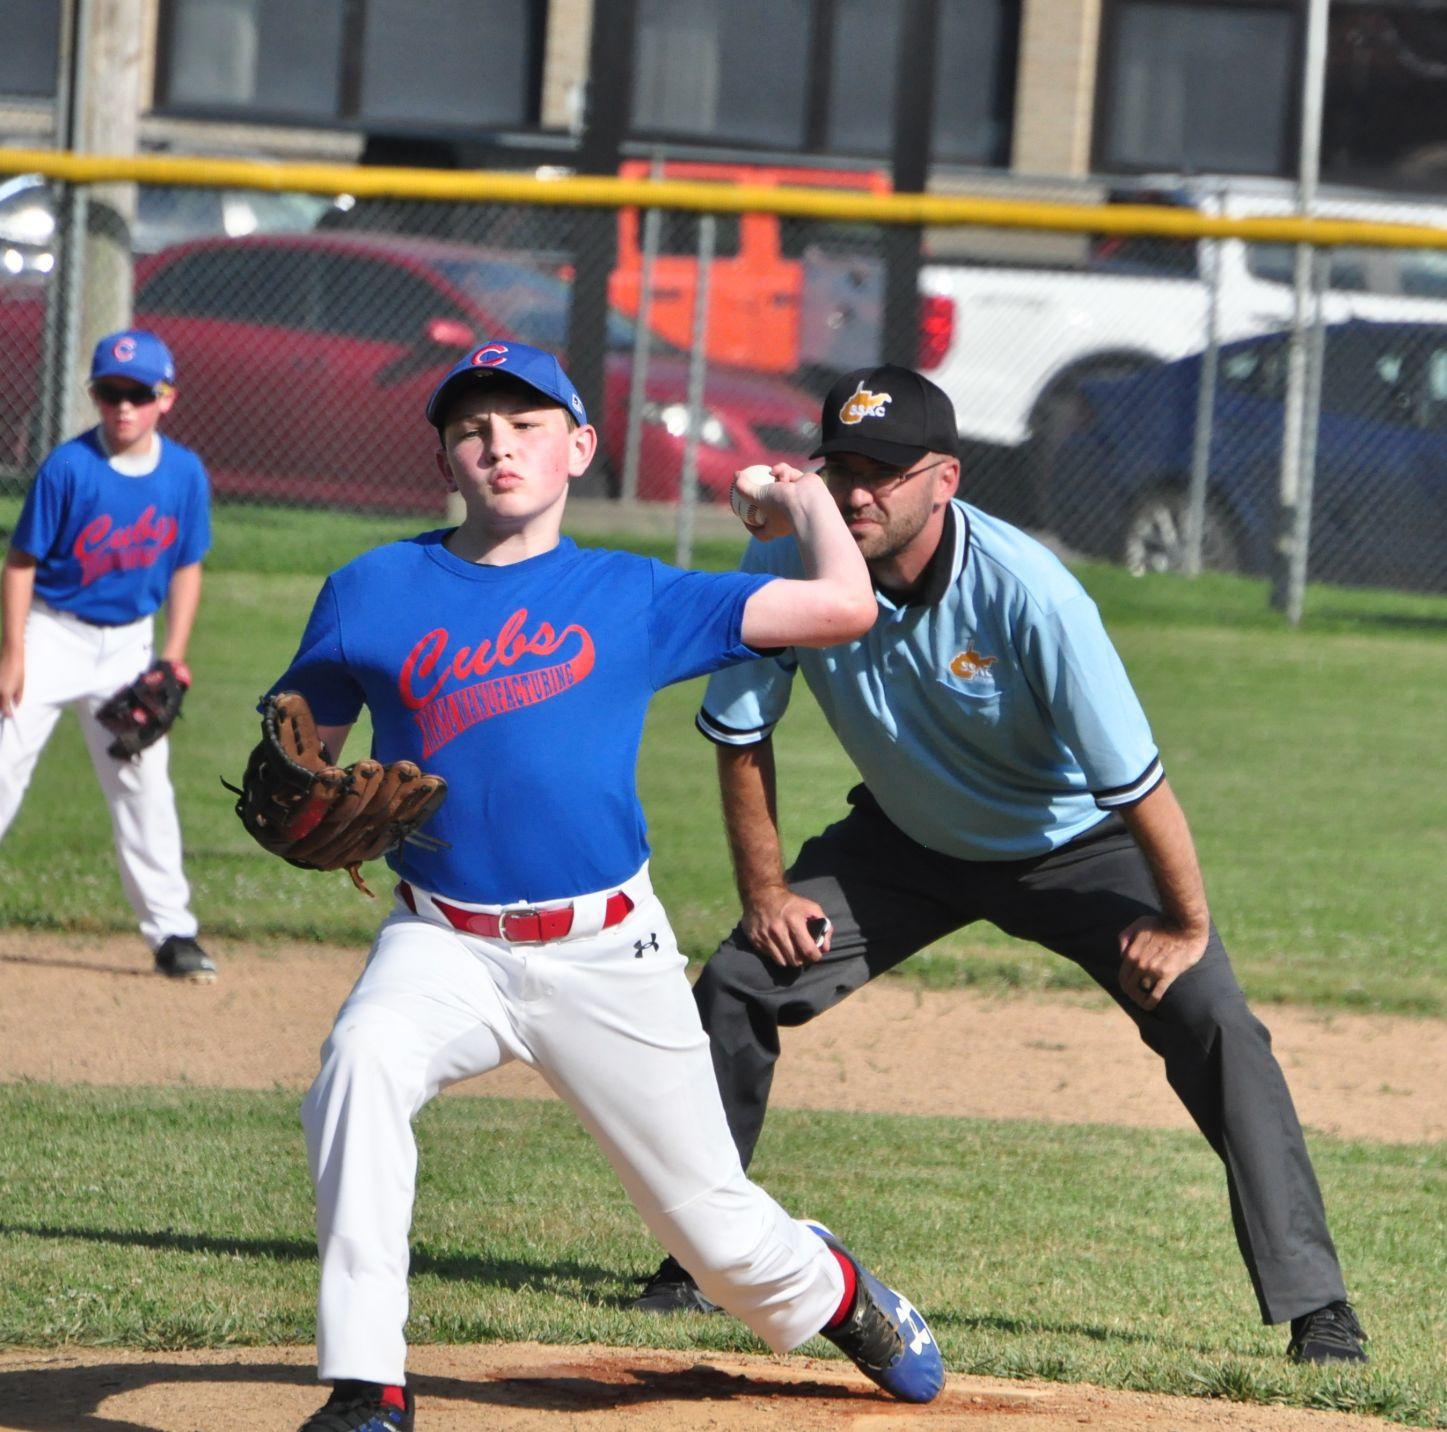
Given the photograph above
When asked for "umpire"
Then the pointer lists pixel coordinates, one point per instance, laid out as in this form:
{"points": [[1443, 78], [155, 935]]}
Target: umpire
{"points": [[1009, 775]]}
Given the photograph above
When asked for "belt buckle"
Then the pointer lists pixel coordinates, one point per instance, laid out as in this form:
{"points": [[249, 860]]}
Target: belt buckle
{"points": [[523, 912]]}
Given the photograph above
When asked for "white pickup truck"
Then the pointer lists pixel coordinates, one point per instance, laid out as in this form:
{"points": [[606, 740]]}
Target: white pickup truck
{"points": [[1023, 339]]}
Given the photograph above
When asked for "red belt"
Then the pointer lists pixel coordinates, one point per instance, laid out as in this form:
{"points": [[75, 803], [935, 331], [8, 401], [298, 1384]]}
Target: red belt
{"points": [[518, 927]]}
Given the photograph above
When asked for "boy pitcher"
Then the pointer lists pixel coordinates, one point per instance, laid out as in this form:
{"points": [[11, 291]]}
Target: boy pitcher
{"points": [[518, 667]]}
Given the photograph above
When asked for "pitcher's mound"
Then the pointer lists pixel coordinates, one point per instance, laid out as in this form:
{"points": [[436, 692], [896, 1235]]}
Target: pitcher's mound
{"points": [[530, 1387]]}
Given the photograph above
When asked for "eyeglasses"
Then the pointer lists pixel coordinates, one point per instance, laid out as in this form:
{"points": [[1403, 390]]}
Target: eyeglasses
{"points": [[112, 394], [880, 482]]}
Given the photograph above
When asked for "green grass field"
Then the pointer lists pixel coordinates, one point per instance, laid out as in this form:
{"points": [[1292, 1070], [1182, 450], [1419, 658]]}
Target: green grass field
{"points": [[1033, 1256], [1304, 759], [1307, 760]]}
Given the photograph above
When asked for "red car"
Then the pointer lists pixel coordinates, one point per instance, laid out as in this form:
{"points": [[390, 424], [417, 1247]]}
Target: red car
{"points": [[305, 362]]}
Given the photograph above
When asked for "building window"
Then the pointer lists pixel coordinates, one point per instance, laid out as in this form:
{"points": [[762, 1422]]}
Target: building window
{"points": [[821, 75], [448, 62], [1197, 88], [979, 52], [1385, 120], [728, 73], [424, 64], [260, 56], [30, 52], [863, 69]]}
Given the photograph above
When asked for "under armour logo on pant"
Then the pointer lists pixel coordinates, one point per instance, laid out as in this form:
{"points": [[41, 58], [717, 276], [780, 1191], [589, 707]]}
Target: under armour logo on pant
{"points": [[651, 943]]}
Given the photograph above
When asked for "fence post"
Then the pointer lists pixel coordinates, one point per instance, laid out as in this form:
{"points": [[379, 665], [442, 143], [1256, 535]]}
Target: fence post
{"points": [[1205, 415], [642, 345], [1310, 421], [1285, 564], [697, 366]]}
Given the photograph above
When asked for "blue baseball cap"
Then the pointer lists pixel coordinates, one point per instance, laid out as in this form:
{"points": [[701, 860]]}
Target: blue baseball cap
{"points": [[540, 371], [134, 353]]}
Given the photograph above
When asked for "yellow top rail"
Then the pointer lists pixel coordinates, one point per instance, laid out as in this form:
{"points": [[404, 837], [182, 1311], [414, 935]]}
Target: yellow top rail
{"points": [[939, 210]]}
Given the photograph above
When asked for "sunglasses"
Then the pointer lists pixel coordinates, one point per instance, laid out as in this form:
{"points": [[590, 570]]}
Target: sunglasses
{"points": [[112, 394], [880, 482]]}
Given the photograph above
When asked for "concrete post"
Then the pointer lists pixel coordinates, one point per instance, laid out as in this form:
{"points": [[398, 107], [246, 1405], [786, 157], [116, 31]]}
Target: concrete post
{"points": [[106, 100]]}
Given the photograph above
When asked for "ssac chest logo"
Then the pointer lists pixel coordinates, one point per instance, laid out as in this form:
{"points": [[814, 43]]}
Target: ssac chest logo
{"points": [[449, 689], [969, 663], [861, 404]]}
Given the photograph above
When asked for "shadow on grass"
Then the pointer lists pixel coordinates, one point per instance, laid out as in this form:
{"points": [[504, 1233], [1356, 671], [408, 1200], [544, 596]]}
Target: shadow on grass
{"points": [[512, 1275], [1024, 1327], [69, 1399]]}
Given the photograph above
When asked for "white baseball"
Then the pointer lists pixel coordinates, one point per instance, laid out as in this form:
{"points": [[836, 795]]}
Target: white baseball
{"points": [[748, 483]]}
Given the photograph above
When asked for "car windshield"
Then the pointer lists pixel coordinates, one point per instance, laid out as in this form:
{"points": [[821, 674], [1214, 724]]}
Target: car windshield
{"points": [[532, 304]]}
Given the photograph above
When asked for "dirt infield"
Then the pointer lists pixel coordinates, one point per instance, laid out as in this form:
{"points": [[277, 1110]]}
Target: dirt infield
{"points": [[524, 1387], [83, 1010], [86, 1011]]}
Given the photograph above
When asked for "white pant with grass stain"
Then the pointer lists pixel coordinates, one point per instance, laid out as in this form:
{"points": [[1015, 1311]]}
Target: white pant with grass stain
{"points": [[609, 1021], [71, 663]]}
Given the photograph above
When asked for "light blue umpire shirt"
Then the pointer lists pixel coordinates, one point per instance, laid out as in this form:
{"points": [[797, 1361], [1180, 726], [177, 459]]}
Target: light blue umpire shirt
{"points": [[991, 717]]}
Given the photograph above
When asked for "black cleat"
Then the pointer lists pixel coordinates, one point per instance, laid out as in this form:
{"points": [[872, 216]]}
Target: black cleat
{"points": [[1330, 1334], [358, 1407], [672, 1290], [180, 958]]}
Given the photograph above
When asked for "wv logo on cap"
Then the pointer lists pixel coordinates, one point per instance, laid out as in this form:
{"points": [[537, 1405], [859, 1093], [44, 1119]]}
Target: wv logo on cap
{"points": [[489, 356], [861, 404]]}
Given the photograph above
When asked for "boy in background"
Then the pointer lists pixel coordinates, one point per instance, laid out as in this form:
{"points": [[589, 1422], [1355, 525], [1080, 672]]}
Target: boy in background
{"points": [[114, 526]]}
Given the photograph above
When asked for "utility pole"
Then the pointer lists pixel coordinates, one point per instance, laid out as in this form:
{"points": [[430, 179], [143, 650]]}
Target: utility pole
{"points": [[107, 38]]}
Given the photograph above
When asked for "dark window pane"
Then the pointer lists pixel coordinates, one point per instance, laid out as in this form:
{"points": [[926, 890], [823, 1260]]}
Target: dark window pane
{"points": [[726, 72], [1196, 88], [516, 300], [1255, 368], [280, 56], [246, 285], [364, 298], [464, 62], [1385, 118], [1369, 377], [975, 80], [1144, 254], [30, 49], [678, 233], [862, 77]]}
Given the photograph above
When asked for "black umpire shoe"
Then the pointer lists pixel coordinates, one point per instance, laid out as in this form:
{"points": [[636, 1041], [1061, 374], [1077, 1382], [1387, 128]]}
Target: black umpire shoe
{"points": [[671, 1290], [181, 958], [1330, 1334], [358, 1407]]}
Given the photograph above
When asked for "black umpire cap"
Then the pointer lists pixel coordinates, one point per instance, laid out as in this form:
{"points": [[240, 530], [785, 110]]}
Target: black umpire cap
{"points": [[889, 413]]}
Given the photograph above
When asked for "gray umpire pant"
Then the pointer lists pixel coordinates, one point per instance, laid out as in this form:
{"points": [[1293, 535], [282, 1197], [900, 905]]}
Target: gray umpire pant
{"points": [[888, 896]]}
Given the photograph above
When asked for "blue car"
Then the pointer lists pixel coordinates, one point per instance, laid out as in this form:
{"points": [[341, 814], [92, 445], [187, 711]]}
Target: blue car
{"points": [[1379, 513]]}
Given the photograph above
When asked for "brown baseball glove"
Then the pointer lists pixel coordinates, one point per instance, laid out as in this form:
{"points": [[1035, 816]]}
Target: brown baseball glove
{"points": [[299, 804], [143, 710]]}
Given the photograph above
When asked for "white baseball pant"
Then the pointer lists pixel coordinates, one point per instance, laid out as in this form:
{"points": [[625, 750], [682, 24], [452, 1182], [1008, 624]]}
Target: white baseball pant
{"points": [[69, 662], [609, 1021]]}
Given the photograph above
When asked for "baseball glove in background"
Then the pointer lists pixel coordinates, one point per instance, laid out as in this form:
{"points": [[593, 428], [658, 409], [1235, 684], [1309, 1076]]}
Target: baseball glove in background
{"points": [[143, 710], [299, 804]]}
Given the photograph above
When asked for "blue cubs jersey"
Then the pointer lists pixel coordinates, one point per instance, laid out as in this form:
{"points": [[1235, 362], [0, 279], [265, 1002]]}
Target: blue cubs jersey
{"points": [[524, 687], [991, 720], [107, 543]]}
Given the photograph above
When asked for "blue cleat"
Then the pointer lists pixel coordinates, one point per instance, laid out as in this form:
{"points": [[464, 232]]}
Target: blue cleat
{"points": [[885, 1336]]}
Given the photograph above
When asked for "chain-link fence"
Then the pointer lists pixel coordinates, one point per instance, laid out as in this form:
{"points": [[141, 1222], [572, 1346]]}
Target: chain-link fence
{"points": [[1127, 395]]}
